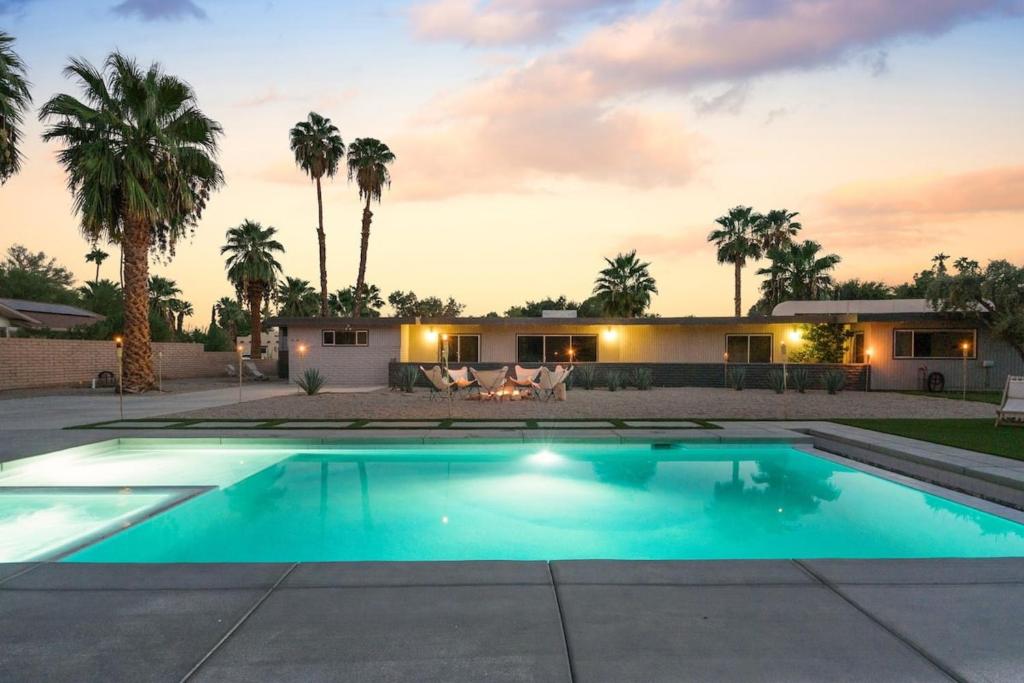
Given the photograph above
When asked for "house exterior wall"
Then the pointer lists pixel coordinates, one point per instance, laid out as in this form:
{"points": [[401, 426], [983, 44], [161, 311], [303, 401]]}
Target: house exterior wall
{"points": [[354, 366]]}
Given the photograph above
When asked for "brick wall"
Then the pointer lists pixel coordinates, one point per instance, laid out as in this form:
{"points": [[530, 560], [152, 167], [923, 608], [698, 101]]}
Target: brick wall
{"points": [[29, 362]]}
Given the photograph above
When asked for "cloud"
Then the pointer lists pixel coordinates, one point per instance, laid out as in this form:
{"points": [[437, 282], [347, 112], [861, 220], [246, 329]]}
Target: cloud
{"points": [[731, 101], [159, 10], [503, 22], [685, 243], [775, 114], [877, 63]]}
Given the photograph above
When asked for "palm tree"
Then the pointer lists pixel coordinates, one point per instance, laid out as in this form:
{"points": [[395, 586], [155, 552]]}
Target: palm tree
{"points": [[296, 298], [775, 230], [802, 271], [230, 316], [15, 98], [368, 161], [97, 256], [101, 296], [140, 159], [318, 150], [342, 303], [625, 286], [737, 243], [161, 293], [179, 309], [252, 269]]}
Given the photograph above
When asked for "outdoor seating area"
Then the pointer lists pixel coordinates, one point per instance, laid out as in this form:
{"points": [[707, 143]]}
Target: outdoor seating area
{"points": [[540, 384]]}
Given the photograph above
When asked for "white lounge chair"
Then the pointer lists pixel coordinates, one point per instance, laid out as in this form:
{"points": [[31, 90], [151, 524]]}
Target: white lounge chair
{"points": [[549, 382], [439, 386], [255, 371], [490, 381], [1011, 409], [460, 378], [524, 377], [231, 370]]}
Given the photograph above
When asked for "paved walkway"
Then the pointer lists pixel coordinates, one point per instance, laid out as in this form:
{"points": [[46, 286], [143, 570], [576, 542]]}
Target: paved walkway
{"points": [[829, 620]]}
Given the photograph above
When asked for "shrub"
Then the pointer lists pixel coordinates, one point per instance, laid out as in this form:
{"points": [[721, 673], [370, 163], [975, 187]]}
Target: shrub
{"points": [[613, 380], [643, 378], [777, 380], [311, 381], [800, 379], [834, 380], [586, 375], [407, 376], [738, 378]]}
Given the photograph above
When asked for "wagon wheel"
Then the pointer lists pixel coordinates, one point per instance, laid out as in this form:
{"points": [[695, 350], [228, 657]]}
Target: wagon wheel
{"points": [[936, 382]]}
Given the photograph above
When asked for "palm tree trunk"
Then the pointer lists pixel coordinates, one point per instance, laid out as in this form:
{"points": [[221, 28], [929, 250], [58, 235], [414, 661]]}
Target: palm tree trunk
{"points": [[97, 278], [739, 276], [255, 296], [364, 245], [323, 250], [138, 353]]}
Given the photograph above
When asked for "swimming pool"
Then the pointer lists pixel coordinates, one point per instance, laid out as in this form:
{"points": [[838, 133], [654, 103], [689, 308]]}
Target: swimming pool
{"points": [[310, 502]]}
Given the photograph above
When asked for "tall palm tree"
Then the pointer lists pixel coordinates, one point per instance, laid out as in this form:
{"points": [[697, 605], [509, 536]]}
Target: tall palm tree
{"points": [[180, 309], [776, 230], [804, 273], [162, 292], [296, 298], [230, 316], [252, 269], [318, 150], [342, 303], [15, 98], [97, 256], [625, 286], [141, 163], [737, 244], [368, 161]]}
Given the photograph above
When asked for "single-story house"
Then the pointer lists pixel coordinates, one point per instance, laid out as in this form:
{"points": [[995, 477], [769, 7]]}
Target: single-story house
{"points": [[19, 313], [897, 344], [268, 344]]}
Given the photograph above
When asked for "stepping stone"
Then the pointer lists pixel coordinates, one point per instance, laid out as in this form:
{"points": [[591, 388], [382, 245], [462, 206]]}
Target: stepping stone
{"points": [[490, 425], [139, 425], [226, 425], [667, 424], [382, 424], [312, 425], [597, 424]]}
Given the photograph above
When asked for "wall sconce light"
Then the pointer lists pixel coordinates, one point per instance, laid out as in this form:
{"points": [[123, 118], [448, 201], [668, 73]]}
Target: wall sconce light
{"points": [[795, 335], [609, 334], [432, 334]]}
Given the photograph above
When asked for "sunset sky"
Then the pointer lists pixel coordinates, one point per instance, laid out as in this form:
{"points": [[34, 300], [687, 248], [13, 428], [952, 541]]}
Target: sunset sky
{"points": [[536, 136]]}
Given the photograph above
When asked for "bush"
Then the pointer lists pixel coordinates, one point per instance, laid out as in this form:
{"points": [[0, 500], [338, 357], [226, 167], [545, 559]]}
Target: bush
{"points": [[834, 380], [407, 378], [643, 378], [777, 380], [738, 378], [586, 375], [311, 381], [800, 379], [613, 380]]}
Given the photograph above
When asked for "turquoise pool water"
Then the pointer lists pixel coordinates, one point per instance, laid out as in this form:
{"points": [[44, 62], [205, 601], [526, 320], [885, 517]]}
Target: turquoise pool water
{"points": [[556, 502]]}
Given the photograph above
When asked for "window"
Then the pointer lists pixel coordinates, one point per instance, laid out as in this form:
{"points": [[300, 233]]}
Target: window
{"points": [[556, 348], [857, 348], [749, 348], [934, 343], [345, 337], [462, 348]]}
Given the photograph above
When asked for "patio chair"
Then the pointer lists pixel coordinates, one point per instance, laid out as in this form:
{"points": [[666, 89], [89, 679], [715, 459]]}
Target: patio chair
{"points": [[231, 370], [524, 378], [251, 368], [460, 378], [1011, 408], [490, 381], [549, 382], [439, 386]]}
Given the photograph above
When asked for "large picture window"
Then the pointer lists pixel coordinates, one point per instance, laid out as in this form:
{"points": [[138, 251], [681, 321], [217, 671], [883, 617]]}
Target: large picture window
{"points": [[934, 343], [556, 348], [462, 348], [749, 348], [345, 337]]}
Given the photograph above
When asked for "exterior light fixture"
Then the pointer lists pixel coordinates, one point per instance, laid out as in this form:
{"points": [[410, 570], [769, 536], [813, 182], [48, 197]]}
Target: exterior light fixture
{"points": [[432, 334], [609, 333], [795, 335]]}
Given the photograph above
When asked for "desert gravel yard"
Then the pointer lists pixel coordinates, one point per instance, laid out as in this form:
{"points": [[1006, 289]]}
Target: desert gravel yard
{"points": [[751, 404]]}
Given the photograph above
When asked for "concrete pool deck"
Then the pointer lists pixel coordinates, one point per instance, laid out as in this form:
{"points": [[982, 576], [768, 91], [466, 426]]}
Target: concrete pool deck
{"points": [[879, 620]]}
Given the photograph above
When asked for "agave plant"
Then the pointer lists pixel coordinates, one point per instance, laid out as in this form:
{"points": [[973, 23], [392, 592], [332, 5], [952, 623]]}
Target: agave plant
{"points": [[586, 375], [800, 379], [613, 380], [407, 376], [643, 378], [834, 380], [738, 378], [777, 380], [311, 381]]}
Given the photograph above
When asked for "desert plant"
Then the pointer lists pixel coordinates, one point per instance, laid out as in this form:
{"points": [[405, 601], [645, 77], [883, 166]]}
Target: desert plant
{"points": [[800, 379], [407, 378], [643, 378], [311, 381], [613, 380], [738, 378], [586, 375], [834, 380], [777, 380]]}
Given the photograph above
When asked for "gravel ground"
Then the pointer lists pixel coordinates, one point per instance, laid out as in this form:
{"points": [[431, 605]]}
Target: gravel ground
{"points": [[657, 403], [171, 386]]}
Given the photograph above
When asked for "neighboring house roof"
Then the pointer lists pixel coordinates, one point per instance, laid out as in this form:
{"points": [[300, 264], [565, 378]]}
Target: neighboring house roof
{"points": [[868, 306], [14, 314], [53, 316]]}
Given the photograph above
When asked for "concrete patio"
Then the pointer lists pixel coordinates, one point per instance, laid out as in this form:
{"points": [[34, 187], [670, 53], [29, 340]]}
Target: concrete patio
{"points": [[905, 620]]}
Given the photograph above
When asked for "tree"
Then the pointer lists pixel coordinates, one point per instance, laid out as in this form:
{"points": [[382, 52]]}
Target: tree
{"points": [[232, 318], [161, 293], [797, 271], [318, 150], [97, 256], [295, 298], [534, 309], [408, 305], [824, 343], [851, 290], [342, 303], [140, 159], [625, 287], [252, 269], [368, 161], [36, 277], [993, 295], [101, 296], [917, 288], [737, 243], [18, 257], [179, 309], [776, 230], [15, 99]]}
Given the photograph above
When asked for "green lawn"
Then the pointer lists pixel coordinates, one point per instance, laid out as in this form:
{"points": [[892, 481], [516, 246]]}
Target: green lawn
{"points": [[994, 397], [975, 435]]}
